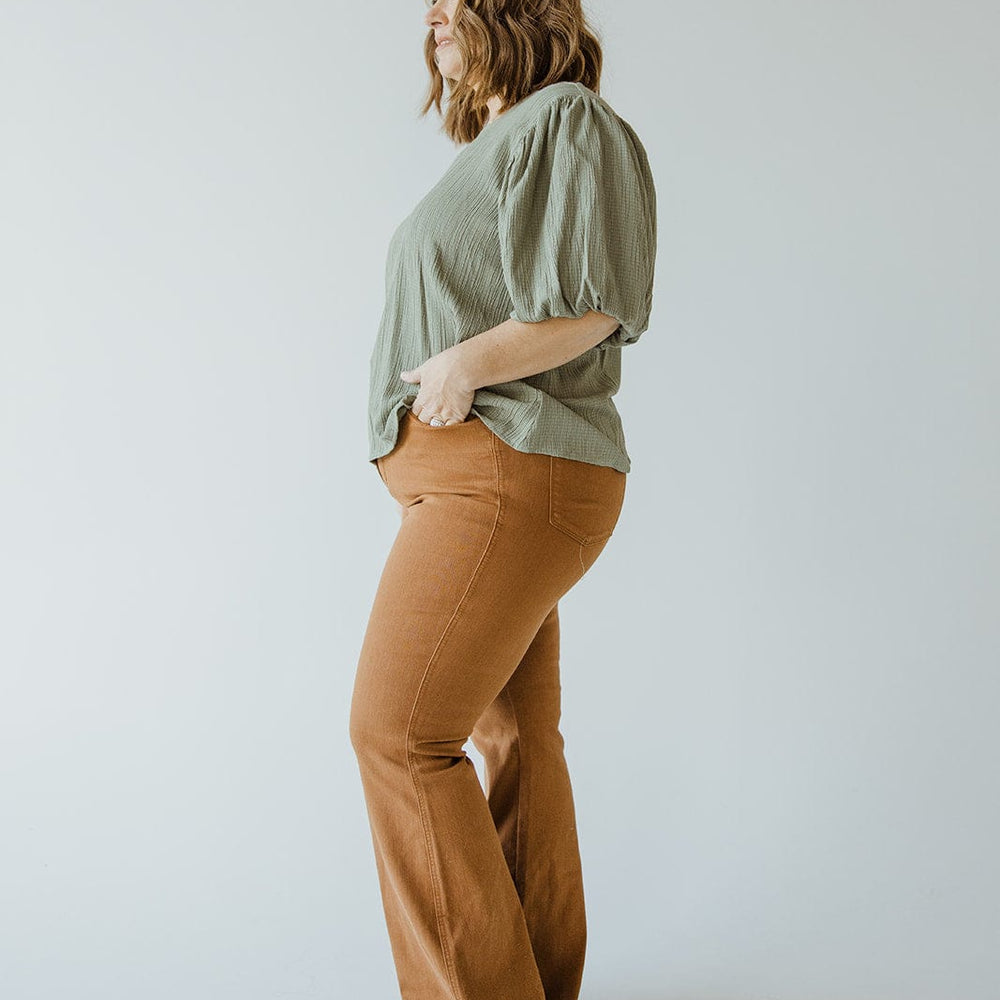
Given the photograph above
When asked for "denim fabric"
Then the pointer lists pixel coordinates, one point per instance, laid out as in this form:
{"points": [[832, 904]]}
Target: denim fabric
{"points": [[480, 881]]}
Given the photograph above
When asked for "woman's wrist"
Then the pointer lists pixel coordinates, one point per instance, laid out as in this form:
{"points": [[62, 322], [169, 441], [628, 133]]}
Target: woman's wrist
{"points": [[513, 350]]}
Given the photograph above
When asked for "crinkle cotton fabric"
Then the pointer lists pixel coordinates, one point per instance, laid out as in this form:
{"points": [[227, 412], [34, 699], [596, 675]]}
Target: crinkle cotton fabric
{"points": [[549, 211]]}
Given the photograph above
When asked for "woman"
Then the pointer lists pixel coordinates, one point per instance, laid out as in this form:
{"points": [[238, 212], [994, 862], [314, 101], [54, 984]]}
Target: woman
{"points": [[510, 291]]}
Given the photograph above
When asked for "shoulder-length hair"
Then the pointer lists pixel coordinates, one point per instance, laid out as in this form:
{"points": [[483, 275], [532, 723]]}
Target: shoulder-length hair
{"points": [[511, 48]]}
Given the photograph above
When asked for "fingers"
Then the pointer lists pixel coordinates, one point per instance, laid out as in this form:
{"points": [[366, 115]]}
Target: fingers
{"points": [[419, 414]]}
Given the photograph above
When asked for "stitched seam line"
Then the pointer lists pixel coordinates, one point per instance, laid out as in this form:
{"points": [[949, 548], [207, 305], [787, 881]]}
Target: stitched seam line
{"points": [[518, 811], [421, 805], [557, 521]]}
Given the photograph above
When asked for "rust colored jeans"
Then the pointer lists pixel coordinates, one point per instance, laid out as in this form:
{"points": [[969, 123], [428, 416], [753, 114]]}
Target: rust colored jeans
{"points": [[481, 884]]}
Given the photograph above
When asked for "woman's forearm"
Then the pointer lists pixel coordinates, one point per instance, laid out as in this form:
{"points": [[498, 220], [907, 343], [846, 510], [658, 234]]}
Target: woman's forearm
{"points": [[514, 350]]}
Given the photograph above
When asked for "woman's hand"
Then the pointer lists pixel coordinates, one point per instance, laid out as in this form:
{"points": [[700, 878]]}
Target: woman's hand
{"points": [[443, 390]]}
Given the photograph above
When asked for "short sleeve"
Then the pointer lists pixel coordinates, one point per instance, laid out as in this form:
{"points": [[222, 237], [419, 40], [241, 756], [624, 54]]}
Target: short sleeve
{"points": [[577, 219]]}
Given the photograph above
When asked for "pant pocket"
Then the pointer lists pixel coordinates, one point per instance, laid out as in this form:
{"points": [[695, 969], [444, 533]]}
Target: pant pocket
{"points": [[584, 499]]}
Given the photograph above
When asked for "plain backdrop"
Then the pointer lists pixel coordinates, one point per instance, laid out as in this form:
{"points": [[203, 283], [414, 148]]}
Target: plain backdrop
{"points": [[781, 680]]}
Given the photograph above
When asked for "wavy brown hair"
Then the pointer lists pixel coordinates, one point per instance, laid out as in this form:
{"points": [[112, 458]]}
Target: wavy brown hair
{"points": [[511, 48]]}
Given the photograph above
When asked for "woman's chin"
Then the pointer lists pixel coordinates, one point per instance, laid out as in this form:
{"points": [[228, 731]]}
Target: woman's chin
{"points": [[449, 70]]}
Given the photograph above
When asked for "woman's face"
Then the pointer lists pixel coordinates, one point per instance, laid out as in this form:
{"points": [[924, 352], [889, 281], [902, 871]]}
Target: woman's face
{"points": [[439, 18]]}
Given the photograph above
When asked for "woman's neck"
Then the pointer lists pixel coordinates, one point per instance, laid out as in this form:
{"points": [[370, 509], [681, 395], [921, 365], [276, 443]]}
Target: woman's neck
{"points": [[494, 105]]}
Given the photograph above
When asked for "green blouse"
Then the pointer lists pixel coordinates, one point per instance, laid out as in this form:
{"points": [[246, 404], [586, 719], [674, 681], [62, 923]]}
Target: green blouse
{"points": [[549, 211]]}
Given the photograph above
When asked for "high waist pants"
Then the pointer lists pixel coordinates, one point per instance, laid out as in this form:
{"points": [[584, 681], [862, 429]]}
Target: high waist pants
{"points": [[481, 883]]}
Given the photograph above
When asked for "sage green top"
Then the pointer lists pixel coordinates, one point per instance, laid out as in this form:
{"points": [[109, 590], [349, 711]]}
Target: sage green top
{"points": [[549, 211]]}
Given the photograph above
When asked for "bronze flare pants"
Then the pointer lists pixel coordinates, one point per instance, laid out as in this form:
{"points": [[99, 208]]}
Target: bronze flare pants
{"points": [[481, 884]]}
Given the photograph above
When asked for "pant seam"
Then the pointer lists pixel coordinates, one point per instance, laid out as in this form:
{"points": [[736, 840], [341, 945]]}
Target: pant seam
{"points": [[518, 811], [410, 755]]}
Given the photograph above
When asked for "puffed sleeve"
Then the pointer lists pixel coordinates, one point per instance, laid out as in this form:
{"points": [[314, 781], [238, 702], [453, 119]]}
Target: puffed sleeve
{"points": [[577, 219]]}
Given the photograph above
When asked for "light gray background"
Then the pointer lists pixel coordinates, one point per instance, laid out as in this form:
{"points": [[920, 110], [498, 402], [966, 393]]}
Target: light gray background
{"points": [[780, 679]]}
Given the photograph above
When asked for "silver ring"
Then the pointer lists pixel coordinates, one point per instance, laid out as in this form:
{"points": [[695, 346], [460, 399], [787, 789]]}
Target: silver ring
{"points": [[436, 422]]}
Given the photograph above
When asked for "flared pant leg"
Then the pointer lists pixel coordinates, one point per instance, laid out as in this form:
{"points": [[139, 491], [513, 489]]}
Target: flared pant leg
{"points": [[482, 893], [530, 797]]}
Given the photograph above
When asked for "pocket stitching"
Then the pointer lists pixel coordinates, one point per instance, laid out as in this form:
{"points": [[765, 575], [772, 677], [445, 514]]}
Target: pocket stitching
{"points": [[562, 525]]}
